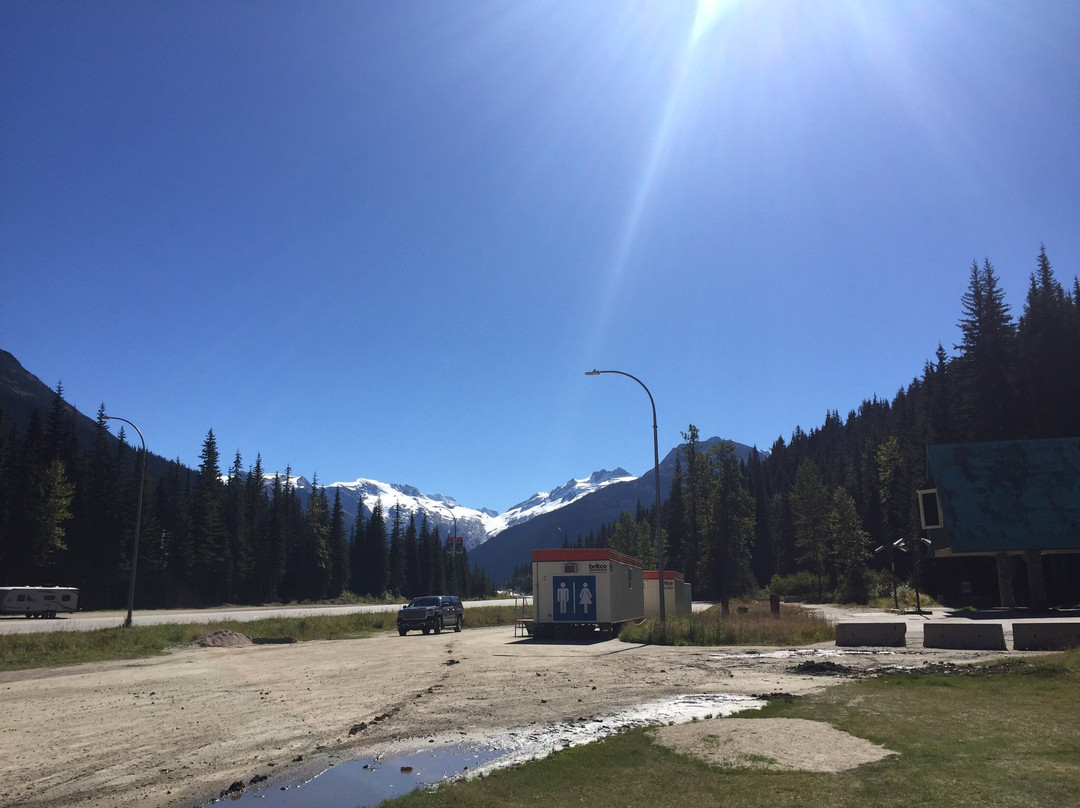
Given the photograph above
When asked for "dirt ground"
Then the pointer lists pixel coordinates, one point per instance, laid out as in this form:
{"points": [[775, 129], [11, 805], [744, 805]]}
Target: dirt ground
{"points": [[177, 730]]}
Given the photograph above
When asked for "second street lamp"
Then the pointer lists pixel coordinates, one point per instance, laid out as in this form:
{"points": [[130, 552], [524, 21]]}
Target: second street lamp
{"points": [[656, 479], [138, 518]]}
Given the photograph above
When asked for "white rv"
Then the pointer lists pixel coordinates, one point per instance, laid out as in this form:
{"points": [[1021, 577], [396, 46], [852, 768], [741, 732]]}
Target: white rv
{"points": [[38, 601]]}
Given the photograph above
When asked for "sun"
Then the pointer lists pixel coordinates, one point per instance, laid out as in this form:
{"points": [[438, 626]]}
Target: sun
{"points": [[708, 13]]}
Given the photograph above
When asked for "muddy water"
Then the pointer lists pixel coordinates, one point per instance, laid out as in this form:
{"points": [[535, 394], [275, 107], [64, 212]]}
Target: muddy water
{"points": [[364, 783]]}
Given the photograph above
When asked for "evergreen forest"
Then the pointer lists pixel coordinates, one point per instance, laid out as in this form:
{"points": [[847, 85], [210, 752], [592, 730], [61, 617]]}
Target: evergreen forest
{"points": [[67, 517], [806, 517]]}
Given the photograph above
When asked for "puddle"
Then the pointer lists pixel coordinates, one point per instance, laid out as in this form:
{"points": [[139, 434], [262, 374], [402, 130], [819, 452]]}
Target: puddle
{"points": [[367, 782], [364, 783], [798, 653]]}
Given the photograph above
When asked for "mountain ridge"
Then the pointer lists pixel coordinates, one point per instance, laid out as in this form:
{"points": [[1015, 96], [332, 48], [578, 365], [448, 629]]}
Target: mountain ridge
{"points": [[497, 541]]}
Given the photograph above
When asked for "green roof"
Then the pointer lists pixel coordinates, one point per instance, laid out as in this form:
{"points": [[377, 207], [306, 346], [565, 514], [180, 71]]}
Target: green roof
{"points": [[1009, 495]]}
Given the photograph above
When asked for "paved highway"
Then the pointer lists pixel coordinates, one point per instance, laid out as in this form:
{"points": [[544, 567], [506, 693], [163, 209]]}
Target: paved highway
{"points": [[89, 621]]}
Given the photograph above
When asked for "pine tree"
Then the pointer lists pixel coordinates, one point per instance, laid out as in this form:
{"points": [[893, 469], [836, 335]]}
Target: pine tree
{"points": [[397, 582], [257, 508], [694, 488], [94, 541], [411, 547], [173, 506], [235, 519], [377, 553], [314, 556], [339, 548], [810, 506], [674, 510], [211, 551], [48, 537], [986, 366], [426, 555], [851, 549], [358, 579], [1049, 348]]}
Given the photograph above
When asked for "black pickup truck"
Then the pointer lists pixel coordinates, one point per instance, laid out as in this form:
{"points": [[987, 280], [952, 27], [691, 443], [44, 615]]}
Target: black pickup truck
{"points": [[431, 613]]}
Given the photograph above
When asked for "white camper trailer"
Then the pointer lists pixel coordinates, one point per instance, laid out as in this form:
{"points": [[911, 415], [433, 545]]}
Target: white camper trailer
{"points": [[38, 601], [577, 592]]}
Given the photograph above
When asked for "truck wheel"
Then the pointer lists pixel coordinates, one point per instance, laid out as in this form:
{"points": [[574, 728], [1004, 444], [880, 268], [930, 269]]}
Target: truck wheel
{"points": [[438, 627], [402, 631], [426, 631], [460, 622]]}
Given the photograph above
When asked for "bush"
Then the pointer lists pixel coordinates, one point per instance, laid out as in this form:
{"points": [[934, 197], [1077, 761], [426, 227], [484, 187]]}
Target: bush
{"points": [[801, 584]]}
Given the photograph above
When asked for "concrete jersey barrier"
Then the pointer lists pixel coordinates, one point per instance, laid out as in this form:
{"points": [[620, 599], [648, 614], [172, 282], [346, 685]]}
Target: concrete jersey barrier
{"points": [[885, 633], [1046, 636], [964, 636]]}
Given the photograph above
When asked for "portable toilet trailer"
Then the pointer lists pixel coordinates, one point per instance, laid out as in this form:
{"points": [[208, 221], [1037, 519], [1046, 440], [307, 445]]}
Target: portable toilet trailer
{"points": [[577, 592], [676, 593]]}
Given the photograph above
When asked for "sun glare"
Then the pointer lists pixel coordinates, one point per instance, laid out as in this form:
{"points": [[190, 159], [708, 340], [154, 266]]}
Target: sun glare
{"points": [[706, 16]]}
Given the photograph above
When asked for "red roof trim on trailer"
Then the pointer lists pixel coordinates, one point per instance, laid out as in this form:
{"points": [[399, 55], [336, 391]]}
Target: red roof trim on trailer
{"points": [[586, 554], [669, 575]]}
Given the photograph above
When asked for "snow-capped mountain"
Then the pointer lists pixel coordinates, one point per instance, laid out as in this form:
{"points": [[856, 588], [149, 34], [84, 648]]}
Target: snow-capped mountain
{"points": [[547, 501], [473, 525], [444, 512]]}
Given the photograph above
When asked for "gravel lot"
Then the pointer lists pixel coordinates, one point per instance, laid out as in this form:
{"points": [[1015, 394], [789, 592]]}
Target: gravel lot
{"points": [[178, 729]]}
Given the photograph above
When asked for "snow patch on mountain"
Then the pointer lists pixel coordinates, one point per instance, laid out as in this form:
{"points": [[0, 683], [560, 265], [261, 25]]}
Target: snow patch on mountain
{"points": [[474, 525], [547, 501]]}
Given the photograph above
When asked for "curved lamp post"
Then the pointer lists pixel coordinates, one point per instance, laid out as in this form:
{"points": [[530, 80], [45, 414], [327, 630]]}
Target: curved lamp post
{"points": [[454, 517], [138, 519], [656, 479]]}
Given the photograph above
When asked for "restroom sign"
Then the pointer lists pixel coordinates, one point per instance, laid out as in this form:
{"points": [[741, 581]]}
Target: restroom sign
{"points": [[573, 598]]}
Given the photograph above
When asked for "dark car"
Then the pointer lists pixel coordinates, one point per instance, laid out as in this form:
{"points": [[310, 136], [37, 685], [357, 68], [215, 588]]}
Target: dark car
{"points": [[431, 613]]}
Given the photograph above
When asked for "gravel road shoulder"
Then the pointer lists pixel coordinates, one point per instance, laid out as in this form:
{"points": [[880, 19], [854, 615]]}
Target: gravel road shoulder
{"points": [[177, 729]]}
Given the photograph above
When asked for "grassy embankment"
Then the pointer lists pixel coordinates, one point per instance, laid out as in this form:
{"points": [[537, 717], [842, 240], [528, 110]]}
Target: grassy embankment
{"points": [[1002, 735], [54, 648], [48, 649]]}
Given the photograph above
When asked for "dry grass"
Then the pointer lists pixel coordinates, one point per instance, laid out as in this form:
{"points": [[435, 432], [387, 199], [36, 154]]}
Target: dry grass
{"points": [[749, 623]]}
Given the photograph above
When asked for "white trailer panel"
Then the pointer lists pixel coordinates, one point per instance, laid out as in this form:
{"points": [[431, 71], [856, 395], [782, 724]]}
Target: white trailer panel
{"points": [[677, 596]]}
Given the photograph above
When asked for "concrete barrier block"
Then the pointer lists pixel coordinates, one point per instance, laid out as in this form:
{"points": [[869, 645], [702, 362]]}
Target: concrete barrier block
{"points": [[891, 633], [967, 636], [1045, 636]]}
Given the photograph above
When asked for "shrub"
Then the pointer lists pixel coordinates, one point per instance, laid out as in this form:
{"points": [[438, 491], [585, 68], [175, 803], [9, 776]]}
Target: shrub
{"points": [[801, 584]]}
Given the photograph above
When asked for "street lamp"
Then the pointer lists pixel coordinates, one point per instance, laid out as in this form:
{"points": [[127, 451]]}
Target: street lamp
{"points": [[138, 518], [656, 476], [453, 547], [906, 545]]}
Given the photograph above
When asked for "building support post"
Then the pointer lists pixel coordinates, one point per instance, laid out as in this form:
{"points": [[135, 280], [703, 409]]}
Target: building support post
{"points": [[1006, 592], [1036, 580]]}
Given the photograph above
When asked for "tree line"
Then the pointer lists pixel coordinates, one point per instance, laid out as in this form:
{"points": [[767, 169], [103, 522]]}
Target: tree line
{"points": [[67, 516], [809, 515]]}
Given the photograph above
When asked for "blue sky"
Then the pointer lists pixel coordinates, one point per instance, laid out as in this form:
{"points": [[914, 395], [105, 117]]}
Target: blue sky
{"points": [[386, 239]]}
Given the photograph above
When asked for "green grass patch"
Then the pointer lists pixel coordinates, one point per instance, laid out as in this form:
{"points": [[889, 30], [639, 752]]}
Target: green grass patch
{"points": [[55, 648], [750, 623], [1002, 735]]}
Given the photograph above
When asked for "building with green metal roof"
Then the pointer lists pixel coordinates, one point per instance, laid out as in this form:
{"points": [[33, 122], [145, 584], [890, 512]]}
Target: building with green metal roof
{"points": [[1009, 500]]}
